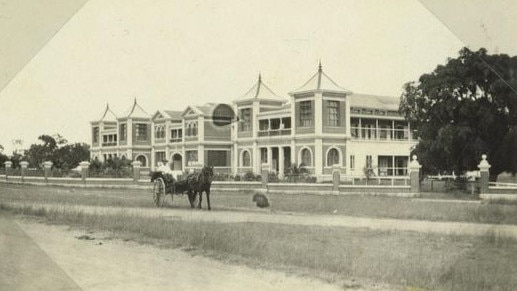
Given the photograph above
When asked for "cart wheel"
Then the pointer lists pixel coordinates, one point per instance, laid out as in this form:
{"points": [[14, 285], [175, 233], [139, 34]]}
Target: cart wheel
{"points": [[158, 192]]}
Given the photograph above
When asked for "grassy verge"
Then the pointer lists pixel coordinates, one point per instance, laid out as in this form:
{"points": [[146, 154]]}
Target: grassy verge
{"points": [[365, 206], [405, 259]]}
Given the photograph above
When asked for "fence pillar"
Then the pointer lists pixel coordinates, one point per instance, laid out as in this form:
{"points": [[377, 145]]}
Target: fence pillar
{"points": [[136, 170], [484, 174], [47, 166], [265, 175], [336, 176], [414, 175], [8, 165], [23, 170], [85, 165]]}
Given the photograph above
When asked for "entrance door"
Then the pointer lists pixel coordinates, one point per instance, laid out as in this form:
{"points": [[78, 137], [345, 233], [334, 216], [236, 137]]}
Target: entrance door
{"points": [[177, 162]]}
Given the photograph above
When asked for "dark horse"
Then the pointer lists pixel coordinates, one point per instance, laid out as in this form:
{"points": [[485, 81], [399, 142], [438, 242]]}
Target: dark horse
{"points": [[199, 183]]}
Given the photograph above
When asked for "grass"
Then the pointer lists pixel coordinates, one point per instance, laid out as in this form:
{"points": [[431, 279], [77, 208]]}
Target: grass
{"points": [[354, 205], [411, 261]]}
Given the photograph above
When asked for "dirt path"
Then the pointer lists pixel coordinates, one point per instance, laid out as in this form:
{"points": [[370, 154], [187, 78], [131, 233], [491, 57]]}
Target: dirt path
{"points": [[103, 263], [460, 228]]}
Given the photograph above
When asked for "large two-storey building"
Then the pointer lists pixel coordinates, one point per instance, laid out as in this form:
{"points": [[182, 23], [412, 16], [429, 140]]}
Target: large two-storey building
{"points": [[319, 125]]}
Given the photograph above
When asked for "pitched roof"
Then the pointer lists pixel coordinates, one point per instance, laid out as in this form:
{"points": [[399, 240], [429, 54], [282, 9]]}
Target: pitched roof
{"points": [[137, 111], [108, 115], [375, 102], [320, 82], [174, 115], [260, 91]]}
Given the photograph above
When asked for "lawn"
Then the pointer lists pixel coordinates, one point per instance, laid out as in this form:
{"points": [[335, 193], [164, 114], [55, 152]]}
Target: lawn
{"points": [[354, 205]]}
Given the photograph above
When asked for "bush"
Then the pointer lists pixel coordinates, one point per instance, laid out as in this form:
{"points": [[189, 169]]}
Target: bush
{"points": [[237, 178]]}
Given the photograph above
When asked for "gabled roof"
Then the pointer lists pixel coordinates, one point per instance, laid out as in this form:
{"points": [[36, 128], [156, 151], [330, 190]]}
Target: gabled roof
{"points": [[136, 111], [261, 92], [374, 102], [108, 115], [174, 115], [320, 82], [167, 114], [194, 109]]}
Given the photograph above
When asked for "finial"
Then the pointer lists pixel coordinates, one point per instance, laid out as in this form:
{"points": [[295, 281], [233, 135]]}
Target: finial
{"points": [[107, 106], [260, 78], [135, 100], [319, 66]]}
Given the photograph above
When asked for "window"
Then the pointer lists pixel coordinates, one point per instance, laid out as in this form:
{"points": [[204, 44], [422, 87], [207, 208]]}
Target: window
{"points": [[159, 132], [246, 159], [217, 158], [245, 124], [123, 132], [160, 157], [305, 113], [369, 162], [141, 131], [263, 155], [176, 135], [194, 129], [306, 157], [191, 156], [352, 162], [332, 157], [333, 113], [95, 134]]}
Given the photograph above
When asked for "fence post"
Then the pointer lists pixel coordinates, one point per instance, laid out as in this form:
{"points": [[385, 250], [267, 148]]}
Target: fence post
{"points": [[136, 171], [265, 175], [8, 165], [484, 174], [47, 166], [414, 175], [84, 170], [336, 176], [23, 170]]}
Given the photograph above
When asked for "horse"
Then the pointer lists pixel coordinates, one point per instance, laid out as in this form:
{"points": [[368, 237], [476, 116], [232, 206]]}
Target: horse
{"points": [[199, 183]]}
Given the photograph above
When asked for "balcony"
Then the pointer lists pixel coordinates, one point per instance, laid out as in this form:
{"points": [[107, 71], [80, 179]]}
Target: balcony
{"points": [[386, 134], [274, 132], [175, 140], [109, 144]]}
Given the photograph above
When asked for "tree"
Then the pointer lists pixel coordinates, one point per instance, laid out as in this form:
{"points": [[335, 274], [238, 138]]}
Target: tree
{"points": [[463, 109], [39, 153], [57, 150], [3, 158]]}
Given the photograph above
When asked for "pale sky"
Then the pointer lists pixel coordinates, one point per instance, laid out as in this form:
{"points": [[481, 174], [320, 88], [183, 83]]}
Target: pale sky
{"points": [[169, 54]]}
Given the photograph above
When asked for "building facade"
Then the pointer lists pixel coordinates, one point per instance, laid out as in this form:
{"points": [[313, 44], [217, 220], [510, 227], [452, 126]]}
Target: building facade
{"points": [[319, 125]]}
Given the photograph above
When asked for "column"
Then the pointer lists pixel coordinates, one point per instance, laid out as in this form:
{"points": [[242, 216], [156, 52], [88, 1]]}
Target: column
{"points": [[8, 165], [136, 170], [414, 175], [280, 162], [24, 165], [235, 159], [47, 166], [256, 158], [318, 158], [84, 170], [484, 172], [336, 176], [264, 175], [270, 157]]}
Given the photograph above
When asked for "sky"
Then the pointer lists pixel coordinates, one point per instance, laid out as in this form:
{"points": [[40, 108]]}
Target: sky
{"points": [[64, 60]]}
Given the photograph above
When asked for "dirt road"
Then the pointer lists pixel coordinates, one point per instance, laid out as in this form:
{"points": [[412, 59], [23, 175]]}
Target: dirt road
{"points": [[54, 258], [459, 228]]}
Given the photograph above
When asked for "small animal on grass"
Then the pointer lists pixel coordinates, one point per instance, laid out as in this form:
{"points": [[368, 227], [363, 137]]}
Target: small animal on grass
{"points": [[199, 183], [261, 200]]}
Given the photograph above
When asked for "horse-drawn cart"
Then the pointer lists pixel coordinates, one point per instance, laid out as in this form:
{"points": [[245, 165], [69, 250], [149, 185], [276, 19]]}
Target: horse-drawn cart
{"points": [[164, 184], [192, 185]]}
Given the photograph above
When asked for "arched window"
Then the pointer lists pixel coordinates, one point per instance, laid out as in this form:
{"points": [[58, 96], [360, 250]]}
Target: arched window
{"points": [[306, 157], [143, 160], [332, 157], [246, 159], [189, 130], [194, 129]]}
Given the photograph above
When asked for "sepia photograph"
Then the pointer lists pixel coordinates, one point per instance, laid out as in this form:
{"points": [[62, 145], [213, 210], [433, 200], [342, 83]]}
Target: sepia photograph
{"points": [[258, 145]]}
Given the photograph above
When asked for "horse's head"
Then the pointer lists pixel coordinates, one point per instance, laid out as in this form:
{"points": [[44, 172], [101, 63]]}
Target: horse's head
{"points": [[208, 173]]}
